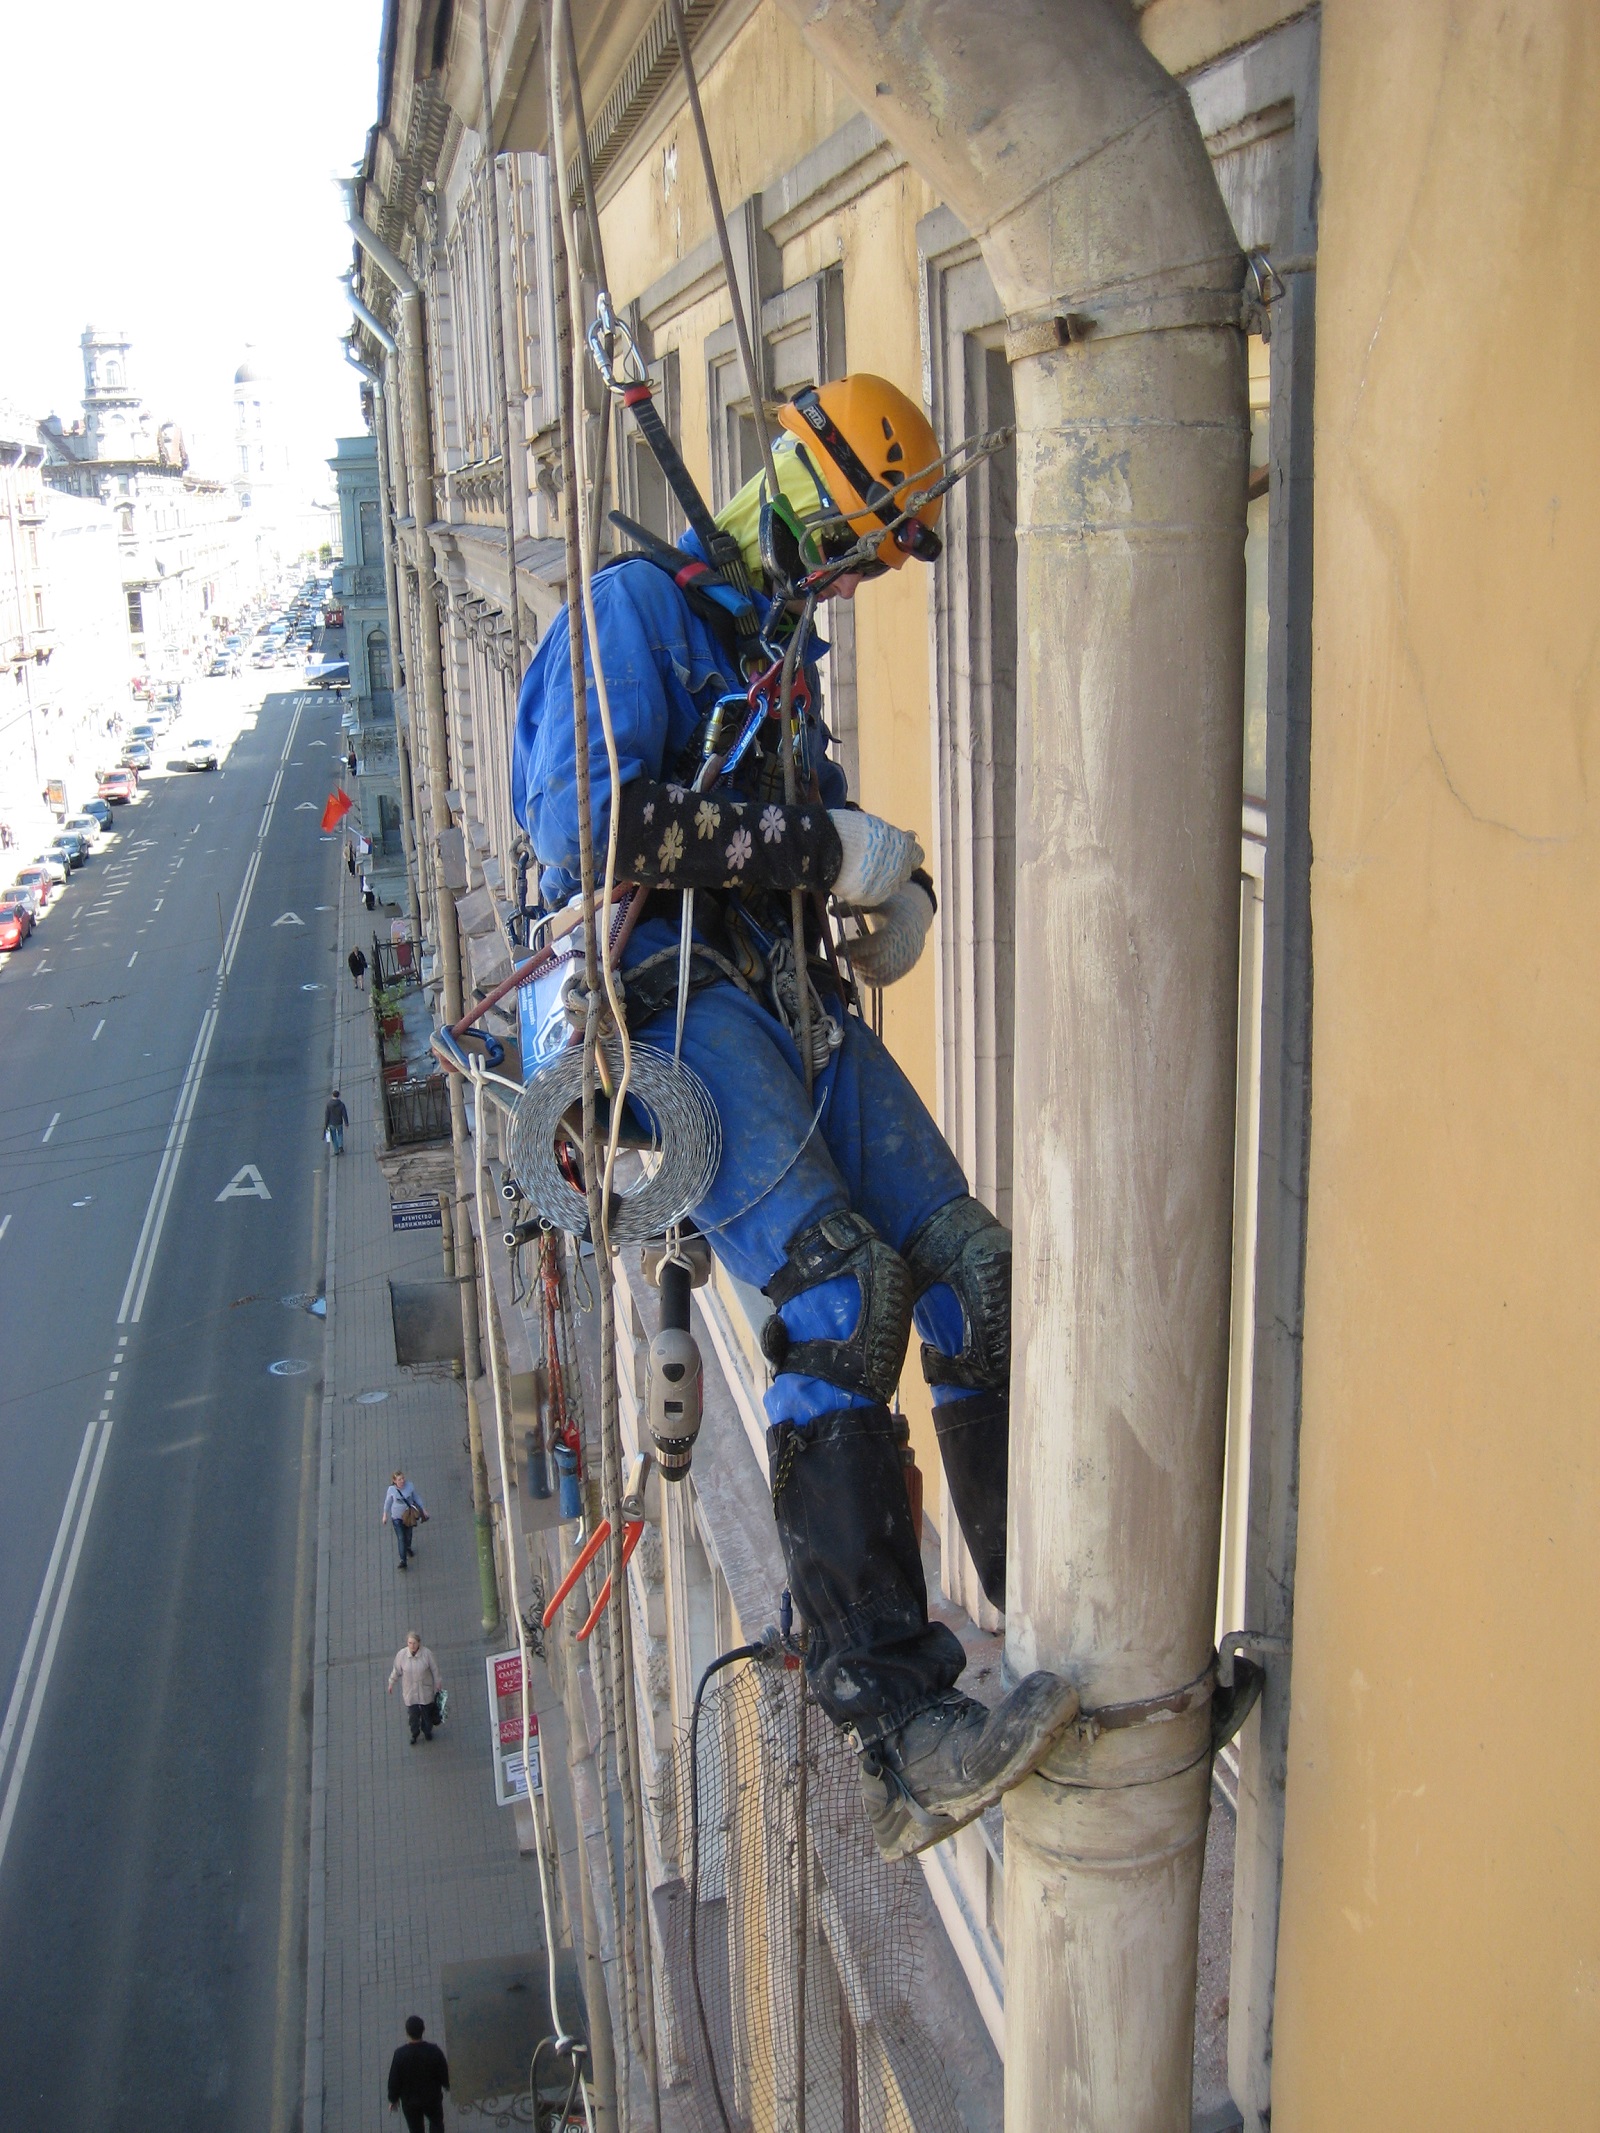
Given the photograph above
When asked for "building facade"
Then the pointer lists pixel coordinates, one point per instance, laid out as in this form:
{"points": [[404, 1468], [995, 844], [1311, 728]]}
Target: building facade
{"points": [[359, 589], [63, 637], [187, 566], [1302, 1315], [272, 531]]}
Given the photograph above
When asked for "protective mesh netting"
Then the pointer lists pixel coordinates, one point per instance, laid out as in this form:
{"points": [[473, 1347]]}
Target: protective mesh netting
{"points": [[732, 1923]]}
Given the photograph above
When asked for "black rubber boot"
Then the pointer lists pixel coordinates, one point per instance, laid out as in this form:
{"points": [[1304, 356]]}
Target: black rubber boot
{"points": [[974, 1443], [951, 1761], [855, 1570]]}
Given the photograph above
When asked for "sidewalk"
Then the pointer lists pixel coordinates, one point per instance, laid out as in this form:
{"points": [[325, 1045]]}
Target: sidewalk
{"points": [[418, 1901]]}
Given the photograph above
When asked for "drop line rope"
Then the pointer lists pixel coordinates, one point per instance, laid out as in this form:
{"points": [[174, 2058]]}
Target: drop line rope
{"points": [[758, 410], [638, 1955], [566, 2042]]}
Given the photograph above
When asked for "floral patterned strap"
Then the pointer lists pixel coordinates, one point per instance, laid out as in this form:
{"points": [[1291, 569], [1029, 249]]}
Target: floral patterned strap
{"points": [[672, 835]]}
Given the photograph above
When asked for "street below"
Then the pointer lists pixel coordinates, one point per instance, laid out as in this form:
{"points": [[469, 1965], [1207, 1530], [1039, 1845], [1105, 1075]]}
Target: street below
{"points": [[167, 1034]]}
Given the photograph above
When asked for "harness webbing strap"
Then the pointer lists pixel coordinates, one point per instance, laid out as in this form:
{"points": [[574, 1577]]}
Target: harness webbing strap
{"points": [[720, 547]]}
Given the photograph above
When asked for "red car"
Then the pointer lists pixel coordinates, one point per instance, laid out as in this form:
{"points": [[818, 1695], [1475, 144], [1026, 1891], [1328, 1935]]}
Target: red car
{"points": [[116, 786], [16, 923], [40, 880]]}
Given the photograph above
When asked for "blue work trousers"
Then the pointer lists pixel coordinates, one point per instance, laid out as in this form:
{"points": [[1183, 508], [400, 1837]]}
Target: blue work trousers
{"points": [[863, 1141]]}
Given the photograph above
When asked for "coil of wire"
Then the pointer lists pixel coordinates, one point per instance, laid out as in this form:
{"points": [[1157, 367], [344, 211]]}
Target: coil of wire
{"points": [[676, 1166]]}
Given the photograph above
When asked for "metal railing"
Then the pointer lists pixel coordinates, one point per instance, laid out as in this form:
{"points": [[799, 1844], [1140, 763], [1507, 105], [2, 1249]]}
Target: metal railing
{"points": [[396, 965], [417, 1111]]}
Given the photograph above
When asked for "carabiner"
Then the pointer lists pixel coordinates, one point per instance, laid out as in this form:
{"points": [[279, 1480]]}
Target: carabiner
{"points": [[604, 336]]}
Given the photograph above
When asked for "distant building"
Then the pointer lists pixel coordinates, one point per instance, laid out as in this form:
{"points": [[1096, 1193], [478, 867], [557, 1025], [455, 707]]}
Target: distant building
{"points": [[186, 565], [358, 586], [261, 469], [63, 635]]}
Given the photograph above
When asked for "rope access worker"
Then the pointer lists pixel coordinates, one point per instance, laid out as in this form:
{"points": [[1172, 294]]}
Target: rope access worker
{"points": [[846, 1208]]}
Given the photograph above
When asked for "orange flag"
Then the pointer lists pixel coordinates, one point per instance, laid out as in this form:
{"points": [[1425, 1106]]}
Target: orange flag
{"points": [[339, 805]]}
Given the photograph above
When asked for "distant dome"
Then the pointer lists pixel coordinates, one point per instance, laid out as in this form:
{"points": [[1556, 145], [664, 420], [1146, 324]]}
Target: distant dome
{"points": [[247, 373]]}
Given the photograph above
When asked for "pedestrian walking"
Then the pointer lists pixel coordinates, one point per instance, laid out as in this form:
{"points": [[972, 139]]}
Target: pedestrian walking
{"points": [[358, 967], [351, 759], [402, 1507], [334, 1120], [367, 895], [417, 1672], [350, 860], [419, 2074]]}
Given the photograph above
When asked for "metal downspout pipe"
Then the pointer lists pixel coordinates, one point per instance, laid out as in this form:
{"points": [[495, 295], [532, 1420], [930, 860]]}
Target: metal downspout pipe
{"points": [[437, 753], [386, 514], [1076, 162], [391, 588]]}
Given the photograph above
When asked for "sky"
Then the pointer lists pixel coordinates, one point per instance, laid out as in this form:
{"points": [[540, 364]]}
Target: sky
{"points": [[169, 169]]}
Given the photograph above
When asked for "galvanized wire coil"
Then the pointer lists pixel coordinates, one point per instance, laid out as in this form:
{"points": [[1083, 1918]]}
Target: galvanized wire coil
{"points": [[675, 1169]]}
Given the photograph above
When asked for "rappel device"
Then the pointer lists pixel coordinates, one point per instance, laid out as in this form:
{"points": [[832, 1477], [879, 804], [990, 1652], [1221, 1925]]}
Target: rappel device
{"points": [[676, 1375]]}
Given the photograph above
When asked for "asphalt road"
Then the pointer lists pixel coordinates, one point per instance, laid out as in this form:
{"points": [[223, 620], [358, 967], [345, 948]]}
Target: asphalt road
{"points": [[157, 1478]]}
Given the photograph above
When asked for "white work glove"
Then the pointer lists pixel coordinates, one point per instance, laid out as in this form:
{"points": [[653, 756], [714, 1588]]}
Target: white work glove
{"points": [[878, 858], [890, 937]]}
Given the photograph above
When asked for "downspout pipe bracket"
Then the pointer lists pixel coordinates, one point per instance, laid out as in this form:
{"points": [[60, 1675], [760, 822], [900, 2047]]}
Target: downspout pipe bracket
{"points": [[1110, 320]]}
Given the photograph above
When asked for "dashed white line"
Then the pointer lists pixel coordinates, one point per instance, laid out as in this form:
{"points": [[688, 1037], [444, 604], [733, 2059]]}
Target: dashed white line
{"points": [[99, 1026], [161, 1191], [25, 1673], [5, 1224], [51, 1128], [133, 958]]}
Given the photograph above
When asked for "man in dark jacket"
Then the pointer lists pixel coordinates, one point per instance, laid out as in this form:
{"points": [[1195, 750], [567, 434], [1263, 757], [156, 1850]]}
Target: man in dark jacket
{"points": [[334, 1120], [419, 2074], [358, 966]]}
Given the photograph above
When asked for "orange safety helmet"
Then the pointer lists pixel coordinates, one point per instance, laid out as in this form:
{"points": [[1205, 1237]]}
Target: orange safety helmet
{"points": [[875, 447]]}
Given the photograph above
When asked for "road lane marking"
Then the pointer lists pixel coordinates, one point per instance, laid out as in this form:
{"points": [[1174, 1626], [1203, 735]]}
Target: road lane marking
{"points": [[247, 1183], [155, 1213], [41, 1681], [230, 944], [5, 1224], [50, 1129], [161, 1192], [99, 1026], [133, 958]]}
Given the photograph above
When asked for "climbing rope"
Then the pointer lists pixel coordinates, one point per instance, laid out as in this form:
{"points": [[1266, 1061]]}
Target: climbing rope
{"points": [[567, 2043], [582, 549]]}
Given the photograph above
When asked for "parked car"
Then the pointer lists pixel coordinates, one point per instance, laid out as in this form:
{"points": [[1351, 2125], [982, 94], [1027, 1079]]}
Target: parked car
{"points": [[16, 923], [73, 848], [146, 731], [86, 826], [98, 812], [198, 753], [34, 894], [56, 864], [117, 786], [136, 756]]}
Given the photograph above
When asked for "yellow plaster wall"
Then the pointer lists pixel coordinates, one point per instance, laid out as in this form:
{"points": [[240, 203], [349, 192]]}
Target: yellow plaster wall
{"points": [[1187, 33], [766, 103], [1440, 1950]]}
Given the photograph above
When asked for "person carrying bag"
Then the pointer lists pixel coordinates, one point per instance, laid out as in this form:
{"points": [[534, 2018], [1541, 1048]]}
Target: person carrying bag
{"points": [[403, 1508]]}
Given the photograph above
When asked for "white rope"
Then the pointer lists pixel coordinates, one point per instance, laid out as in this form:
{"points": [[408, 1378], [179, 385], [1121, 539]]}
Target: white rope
{"points": [[544, 1833], [619, 1627]]}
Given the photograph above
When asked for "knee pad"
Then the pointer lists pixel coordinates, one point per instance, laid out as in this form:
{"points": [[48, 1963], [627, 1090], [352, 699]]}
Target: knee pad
{"points": [[871, 1358], [969, 1252]]}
